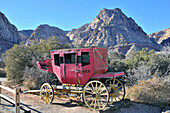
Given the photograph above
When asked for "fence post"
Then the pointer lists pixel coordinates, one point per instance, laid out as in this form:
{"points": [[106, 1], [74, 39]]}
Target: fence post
{"points": [[17, 100], [0, 92]]}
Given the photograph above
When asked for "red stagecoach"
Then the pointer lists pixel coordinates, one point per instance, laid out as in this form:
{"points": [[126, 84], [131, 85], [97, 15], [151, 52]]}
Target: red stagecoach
{"points": [[82, 73]]}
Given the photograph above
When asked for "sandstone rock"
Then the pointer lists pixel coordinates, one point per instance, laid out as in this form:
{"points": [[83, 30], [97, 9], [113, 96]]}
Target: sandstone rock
{"points": [[162, 37], [113, 29], [45, 31]]}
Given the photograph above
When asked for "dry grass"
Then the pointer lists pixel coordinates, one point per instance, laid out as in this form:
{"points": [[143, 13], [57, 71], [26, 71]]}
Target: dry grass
{"points": [[151, 91], [29, 84]]}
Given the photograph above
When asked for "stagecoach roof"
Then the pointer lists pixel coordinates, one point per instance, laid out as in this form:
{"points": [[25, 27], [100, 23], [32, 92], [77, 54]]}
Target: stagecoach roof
{"points": [[75, 48]]}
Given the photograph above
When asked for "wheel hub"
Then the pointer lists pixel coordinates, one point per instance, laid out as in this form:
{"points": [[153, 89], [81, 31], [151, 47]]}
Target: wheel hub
{"points": [[96, 95]]}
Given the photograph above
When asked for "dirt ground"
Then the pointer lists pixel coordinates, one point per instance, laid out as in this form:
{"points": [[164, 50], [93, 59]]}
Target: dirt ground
{"points": [[35, 104], [65, 105]]}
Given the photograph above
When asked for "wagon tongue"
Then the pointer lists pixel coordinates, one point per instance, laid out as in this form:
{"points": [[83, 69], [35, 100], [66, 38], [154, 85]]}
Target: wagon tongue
{"points": [[118, 74]]}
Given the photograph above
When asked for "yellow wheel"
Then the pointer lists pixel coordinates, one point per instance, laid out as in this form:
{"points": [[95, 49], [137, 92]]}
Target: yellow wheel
{"points": [[95, 95], [116, 90], [47, 93]]}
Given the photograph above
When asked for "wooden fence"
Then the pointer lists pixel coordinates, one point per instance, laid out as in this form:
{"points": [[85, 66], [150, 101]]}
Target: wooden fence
{"points": [[16, 101]]}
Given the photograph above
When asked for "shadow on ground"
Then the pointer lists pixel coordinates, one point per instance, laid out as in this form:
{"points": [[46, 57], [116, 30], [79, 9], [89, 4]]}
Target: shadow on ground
{"points": [[127, 106]]}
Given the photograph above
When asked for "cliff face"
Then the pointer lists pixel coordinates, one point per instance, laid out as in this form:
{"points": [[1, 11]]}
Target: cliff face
{"points": [[162, 37], [8, 34], [45, 31], [111, 28]]}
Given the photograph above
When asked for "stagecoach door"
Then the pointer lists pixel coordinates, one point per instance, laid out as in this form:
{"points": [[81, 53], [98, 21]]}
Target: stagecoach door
{"points": [[70, 73]]}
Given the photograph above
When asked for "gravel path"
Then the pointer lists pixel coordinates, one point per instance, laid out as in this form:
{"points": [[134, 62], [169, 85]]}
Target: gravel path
{"points": [[3, 79]]}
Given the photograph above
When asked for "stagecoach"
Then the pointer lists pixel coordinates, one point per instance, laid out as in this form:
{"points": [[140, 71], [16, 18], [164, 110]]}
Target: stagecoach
{"points": [[83, 74]]}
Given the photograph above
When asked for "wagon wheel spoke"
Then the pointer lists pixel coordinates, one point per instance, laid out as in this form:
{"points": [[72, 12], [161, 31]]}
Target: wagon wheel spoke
{"points": [[99, 97], [119, 87], [115, 98], [99, 88], [96, 87], [98, 103], [103, 104], [89, 92], [103, 94], [116, 89], [47, 93], [92, 87]]}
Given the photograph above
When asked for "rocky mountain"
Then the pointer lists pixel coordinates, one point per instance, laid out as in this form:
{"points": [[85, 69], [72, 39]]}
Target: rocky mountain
{"points": [[8, 34], [45, 31], [25, 34], [113, 29], [162, 37]]}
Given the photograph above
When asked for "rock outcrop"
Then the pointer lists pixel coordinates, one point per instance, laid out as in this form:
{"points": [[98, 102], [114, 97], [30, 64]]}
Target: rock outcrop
{"points": [[45, 31], [113, 29], [25, 34], [8, 34], [162, 37]]}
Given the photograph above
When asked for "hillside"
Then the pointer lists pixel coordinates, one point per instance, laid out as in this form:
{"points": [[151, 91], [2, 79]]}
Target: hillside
{"points": [[45, 31]]}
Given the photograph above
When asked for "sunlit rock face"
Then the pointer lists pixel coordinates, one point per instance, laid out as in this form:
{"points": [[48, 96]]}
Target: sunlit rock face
{"points": [[8, 34], [113, 29]]}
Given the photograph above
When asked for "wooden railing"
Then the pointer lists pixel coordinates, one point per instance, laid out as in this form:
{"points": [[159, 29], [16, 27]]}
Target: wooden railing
{"points": [[16, 101]]}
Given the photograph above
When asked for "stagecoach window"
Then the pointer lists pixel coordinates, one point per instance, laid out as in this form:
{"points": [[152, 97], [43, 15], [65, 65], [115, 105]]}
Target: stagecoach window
{"points": [[70, 58], [56, 59], [85, 58]]}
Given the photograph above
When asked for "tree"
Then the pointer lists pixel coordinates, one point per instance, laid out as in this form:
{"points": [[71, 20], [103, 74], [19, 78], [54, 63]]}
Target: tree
{"points": [[21, 56]]}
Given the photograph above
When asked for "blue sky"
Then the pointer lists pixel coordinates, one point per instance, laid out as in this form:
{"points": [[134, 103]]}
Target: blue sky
{"points": [[151, 15]]}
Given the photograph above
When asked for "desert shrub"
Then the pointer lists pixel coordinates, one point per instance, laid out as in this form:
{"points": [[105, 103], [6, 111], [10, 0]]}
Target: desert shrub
{"points": [[151, 91], [145, 64], [117, 66], [134, 61], [16, 60], [34, 77], [2, 72], [116, 63], [21, 56], [166, 51], [142, 72]]}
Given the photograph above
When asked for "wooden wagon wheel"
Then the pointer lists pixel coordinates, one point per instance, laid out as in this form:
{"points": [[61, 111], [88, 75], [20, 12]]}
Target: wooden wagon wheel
{"points": [[116, 90], [47, 93], [95, 95]]}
